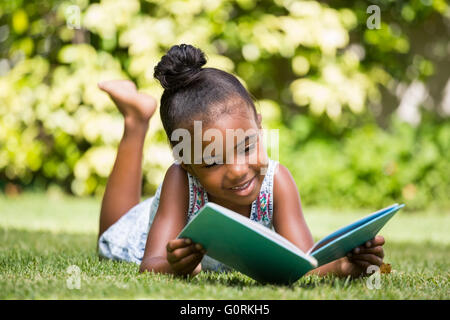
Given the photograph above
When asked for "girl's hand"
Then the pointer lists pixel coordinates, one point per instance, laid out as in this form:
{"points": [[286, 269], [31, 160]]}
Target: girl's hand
{"points": [[357, 261], [184, 256]]}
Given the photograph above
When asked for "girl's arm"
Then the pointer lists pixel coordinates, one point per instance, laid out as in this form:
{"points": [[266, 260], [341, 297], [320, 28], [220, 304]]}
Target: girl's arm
{"points": [[290, 223], [288, 219], [163, 252]]}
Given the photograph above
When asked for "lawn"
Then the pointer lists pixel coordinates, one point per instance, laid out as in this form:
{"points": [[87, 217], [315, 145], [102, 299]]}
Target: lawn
{"points": [[42, 235]]}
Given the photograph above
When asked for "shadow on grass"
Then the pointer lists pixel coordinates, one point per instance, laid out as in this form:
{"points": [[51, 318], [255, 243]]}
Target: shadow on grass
{"points": [[40, 250], [228, 279], [236, 279]]}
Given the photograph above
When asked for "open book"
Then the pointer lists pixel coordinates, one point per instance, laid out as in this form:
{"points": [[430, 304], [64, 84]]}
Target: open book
{"points": [[264, 255]]}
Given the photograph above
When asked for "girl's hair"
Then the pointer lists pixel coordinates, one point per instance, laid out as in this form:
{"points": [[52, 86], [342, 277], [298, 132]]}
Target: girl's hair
{"points": [[196, 93]]}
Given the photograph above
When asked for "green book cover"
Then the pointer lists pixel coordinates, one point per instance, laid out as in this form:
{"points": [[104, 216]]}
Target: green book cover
{"points": [[264, 255]]}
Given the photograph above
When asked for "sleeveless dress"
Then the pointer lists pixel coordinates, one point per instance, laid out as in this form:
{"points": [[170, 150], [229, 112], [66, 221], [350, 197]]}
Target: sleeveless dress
{"points": [[125, 240]]}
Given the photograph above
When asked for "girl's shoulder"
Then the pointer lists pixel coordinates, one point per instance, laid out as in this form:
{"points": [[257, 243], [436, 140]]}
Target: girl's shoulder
{"points": [[176, 174], [173, 192], [284, 185]]}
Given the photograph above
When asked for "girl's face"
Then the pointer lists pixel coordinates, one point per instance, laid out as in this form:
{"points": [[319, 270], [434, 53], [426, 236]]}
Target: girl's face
{"points": [[236, 181]]}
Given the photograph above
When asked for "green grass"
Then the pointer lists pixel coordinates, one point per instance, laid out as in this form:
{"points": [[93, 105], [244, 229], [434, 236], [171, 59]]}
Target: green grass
{"points": [[42, 235]]}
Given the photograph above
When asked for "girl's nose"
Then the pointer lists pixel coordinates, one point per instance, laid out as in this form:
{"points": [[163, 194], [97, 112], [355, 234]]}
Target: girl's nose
{"points": [[237, 172]]}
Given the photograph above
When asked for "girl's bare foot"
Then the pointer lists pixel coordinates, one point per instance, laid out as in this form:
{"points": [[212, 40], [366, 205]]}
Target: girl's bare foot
{"points": [[135, 106]]}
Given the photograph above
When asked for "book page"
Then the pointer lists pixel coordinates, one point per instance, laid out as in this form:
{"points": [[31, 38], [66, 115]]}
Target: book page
{"points": [[349, 228]]}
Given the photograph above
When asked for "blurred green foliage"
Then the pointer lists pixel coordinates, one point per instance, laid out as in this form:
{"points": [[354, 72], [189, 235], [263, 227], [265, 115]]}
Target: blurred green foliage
{"points": [[370, 166], [314, 68]]}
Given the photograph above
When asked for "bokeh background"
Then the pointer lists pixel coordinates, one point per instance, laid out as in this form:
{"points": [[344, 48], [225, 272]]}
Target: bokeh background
{"points": [[363, 113]]}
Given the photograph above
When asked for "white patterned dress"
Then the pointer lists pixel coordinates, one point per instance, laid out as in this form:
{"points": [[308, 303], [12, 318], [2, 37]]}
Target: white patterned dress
{"points": [[125, 240]]}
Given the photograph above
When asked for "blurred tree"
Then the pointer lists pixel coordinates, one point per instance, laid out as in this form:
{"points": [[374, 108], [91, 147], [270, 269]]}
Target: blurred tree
{"points": [[317, 72]]}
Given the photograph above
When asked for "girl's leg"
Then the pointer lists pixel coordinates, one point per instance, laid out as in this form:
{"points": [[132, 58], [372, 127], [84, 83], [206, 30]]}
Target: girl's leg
{"points": [[123, 189]]}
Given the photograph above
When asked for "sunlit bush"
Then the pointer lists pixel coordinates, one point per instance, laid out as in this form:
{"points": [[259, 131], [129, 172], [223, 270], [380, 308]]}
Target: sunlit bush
{"points": [[295, 57]]}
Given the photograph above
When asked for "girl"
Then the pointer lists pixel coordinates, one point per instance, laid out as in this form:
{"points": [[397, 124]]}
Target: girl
{"points": [[261, 190]]}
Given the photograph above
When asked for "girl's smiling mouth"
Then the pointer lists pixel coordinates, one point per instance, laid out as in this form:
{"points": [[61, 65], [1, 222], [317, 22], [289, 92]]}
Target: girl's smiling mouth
{"points": [[246, 188]]}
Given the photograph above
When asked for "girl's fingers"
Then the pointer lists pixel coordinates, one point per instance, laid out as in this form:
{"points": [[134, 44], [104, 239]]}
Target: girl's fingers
{"points": [[177, 243], [374, 250], [377, 241], [180, 253], [362, 264], [188, 263], [357, 250], [370, 258], [192, 263]]}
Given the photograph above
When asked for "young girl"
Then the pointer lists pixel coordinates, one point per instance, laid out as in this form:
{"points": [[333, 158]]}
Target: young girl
{"points": [[261, 190]]}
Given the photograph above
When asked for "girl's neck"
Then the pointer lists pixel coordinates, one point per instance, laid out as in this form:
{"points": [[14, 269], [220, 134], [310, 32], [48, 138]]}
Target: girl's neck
{"points": [[243, 210]]}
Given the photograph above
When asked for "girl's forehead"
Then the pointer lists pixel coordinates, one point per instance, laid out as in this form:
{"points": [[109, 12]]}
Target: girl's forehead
{"points": [[224, 134], [232, 114], [232, 122], [225, 126]]}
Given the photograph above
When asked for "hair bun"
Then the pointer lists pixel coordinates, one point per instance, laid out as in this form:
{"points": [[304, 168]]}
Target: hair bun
{"points": [[179, 66]]}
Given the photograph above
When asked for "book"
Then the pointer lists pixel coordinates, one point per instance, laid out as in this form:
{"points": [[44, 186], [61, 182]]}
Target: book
{"points": [[264, 255]]}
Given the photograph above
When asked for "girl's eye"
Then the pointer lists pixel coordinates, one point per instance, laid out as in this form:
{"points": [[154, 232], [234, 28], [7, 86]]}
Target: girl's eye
{"points": [[247, 149], [250, 147], [212, 164]]}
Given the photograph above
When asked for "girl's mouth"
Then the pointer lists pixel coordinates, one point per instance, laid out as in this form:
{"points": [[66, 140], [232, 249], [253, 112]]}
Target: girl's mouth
{"points": [[245, 189]]}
